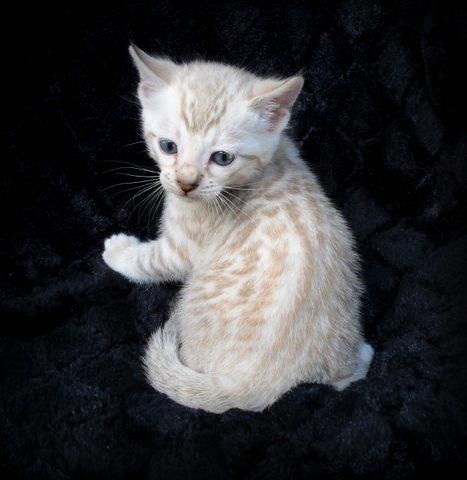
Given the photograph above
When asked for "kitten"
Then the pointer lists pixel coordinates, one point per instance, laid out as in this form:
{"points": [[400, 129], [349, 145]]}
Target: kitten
{"points": [[272, 293]]}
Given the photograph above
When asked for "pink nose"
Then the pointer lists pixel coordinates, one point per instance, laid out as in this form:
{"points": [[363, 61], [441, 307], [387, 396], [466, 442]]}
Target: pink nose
{"points": [[187, 187]]}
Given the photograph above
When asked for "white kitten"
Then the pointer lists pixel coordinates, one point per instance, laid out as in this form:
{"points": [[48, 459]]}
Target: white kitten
{"points": [[272, 293]]}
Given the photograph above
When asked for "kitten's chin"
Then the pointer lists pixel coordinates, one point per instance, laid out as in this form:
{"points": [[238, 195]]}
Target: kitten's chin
{"points": [[189, 197]]}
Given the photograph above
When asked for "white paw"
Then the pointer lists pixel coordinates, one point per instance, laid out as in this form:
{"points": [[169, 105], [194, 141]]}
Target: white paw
{"points": [[118, 251]]}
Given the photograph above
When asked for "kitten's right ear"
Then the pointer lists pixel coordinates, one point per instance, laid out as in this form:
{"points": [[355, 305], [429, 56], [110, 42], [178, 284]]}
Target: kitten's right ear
{"points": [[155, 73]]}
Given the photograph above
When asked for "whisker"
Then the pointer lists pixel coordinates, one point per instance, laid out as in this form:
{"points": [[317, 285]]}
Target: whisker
{"points": [[218, 206], [142, 202], [129, 189], [146, 204], [130, 167], [236, 197], [240, 211], [227, 205], [157, 203], [137, 176], [139, 142], [247, 189], [210, 206], [135, 182], [130, 101], [143, 191]]}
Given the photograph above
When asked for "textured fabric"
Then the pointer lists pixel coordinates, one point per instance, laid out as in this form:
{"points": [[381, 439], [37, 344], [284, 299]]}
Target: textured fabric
{"points": [[382, 121]]}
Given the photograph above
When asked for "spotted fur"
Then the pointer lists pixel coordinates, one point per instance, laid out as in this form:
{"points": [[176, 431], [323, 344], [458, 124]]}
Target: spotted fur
{"points": [[271, 292]]}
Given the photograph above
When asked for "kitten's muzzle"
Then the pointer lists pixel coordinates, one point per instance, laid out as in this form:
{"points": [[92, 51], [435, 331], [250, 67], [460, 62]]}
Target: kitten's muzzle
{"points": [[187, 187]]}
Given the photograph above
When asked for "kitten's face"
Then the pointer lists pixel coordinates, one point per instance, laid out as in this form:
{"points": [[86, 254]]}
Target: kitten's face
{"points": [[210, 126], [204, 137]]}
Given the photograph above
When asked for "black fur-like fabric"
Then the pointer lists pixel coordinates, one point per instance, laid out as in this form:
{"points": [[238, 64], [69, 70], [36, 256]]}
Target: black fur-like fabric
{"points": [[381, 120]]}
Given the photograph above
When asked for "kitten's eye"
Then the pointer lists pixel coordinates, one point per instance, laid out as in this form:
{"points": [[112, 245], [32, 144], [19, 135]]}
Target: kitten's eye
{"points": [[222, 158], [167, 146]]}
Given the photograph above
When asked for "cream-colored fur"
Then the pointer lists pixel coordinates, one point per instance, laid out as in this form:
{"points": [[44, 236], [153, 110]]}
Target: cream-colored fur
{"points": [[271, 292]]}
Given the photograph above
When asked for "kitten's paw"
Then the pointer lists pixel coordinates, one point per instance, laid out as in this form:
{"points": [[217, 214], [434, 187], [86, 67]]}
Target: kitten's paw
{"points": [[117, 251]]}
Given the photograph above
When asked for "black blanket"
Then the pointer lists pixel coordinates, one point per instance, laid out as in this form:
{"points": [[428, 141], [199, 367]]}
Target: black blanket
{"points": [[381, 120]]}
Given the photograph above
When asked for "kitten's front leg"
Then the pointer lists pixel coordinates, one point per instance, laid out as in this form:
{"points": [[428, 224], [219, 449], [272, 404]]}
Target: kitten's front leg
{"points": [[156, 261]]}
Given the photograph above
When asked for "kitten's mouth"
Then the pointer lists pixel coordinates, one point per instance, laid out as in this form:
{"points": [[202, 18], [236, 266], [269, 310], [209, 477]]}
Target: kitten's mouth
{"points": [[191, 195]]}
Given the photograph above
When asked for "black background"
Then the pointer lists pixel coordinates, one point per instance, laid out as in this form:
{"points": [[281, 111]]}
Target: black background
{"points": [[382, 121]]}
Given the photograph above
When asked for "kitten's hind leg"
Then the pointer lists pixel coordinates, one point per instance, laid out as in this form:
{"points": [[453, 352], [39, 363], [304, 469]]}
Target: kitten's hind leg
{"points": [[364, 357]]}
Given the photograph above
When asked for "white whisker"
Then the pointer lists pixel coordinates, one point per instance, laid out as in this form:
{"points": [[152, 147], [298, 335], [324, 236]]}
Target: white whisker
{"points": [[136, 182]]}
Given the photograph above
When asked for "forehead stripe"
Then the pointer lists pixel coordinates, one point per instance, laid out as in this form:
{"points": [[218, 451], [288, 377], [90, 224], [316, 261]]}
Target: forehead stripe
{"points": [[201, 114]]}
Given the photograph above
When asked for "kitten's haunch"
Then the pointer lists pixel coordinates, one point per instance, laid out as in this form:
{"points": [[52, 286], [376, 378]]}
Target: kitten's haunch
{"points": [[271, 292]]}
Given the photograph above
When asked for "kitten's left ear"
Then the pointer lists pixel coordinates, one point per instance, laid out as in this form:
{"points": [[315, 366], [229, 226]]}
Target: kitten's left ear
{"points": [[274, 99], [155, 73]]}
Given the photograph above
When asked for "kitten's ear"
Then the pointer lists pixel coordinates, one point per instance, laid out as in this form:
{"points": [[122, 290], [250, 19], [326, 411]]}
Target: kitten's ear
{"points": [[155, 73], [274, 99]]}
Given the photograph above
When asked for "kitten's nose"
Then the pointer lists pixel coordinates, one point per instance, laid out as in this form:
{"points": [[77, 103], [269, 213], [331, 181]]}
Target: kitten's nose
{"points": [[187, 187]]}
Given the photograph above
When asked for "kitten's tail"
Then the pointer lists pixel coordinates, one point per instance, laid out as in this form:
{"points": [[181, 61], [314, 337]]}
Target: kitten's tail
{"points": [[168, 375], [215, 392]]}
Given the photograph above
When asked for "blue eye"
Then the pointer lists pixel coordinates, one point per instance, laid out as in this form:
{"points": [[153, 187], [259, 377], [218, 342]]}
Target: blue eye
{"points": [[167, 146], [222, 158]]}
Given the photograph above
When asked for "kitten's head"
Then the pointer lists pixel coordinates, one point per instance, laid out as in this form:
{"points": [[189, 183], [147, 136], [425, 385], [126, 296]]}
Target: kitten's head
{"points": [[210, 126]]}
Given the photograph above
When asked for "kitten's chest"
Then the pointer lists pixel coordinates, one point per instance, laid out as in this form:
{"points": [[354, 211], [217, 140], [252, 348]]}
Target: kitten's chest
{"points": [[199, 230]]}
